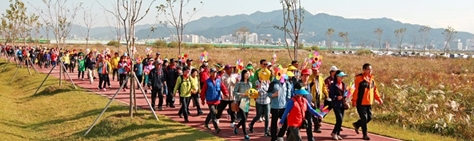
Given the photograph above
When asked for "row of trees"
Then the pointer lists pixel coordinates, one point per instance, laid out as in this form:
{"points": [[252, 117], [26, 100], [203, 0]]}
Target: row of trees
{"points": [[420, 36]]}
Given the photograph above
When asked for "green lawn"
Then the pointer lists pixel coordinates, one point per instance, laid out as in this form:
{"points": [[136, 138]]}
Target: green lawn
{"points": [[63, 113]]}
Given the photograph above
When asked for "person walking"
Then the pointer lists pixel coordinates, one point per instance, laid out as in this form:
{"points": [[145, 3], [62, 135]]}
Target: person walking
{"points": [[317, 91], [185, 88], [279, 96], [138, 69], [114, 62], [195, 95], [338, 101], [171, 75], [81, 67], [229, 82], [263, 101], [295, 114], [211, 94], [327, 82], [122, 70], [363, 97], [156, 79], [240, 97], [103, 69]]}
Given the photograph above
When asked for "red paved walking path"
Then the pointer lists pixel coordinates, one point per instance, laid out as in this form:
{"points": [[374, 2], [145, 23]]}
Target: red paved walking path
{"points": [[198, 121]]}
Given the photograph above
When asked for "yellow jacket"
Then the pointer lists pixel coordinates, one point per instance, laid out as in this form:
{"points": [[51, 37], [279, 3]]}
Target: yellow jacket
{"points": [[322, 88], [114, 62]]}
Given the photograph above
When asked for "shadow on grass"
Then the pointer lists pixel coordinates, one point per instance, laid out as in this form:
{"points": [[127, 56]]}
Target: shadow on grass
{"points": [[123, 128], [53, 90], [93, 113]]}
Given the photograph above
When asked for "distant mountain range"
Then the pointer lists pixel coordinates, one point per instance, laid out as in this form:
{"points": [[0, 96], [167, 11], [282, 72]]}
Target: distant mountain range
{"points": [[314, 28]]}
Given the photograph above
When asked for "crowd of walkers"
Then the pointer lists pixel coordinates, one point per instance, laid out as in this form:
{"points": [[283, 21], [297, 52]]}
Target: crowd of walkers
{"points": [[289, 99]]}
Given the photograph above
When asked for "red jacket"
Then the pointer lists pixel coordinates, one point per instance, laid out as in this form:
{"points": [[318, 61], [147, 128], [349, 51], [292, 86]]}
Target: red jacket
{"points": [[297, 113]]}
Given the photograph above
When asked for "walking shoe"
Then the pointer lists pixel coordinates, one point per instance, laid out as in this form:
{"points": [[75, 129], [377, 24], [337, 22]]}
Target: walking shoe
{"points": [[334, 136], [366, 138], [217, 121], [246, 137], [218, 130], [172, 106], [207, 127], [105, 89], [236, 131], [317, 130], [232, 125], [267, 134], [110, 87], [250, 128], [186, 120], [356, 128], [160, 108], [339, 137], [280, 139]]}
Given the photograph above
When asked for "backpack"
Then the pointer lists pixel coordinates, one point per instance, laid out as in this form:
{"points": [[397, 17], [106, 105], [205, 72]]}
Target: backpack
{"points": [[271, 87]]}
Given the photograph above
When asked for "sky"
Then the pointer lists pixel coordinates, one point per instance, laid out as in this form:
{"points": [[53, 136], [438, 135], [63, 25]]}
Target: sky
{"points": [[434, 13]]}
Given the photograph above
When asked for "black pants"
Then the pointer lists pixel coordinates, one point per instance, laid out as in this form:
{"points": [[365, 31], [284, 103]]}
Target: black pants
{"points": [[71, 67], [115, 73], [122, 80], [294, 134], [242, 115], [365, 114], [195, 99], [222, 106], [156, 92], [107, 79], [102, 80], [184, 107], [212, 116], [170, 95], [339, 113], [140, 80], [79, 74], [309, 129], [317, 121], [277, 114]]}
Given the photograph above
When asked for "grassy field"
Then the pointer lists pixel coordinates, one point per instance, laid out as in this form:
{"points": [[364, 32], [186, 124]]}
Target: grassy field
{"points": [[63, 113]]}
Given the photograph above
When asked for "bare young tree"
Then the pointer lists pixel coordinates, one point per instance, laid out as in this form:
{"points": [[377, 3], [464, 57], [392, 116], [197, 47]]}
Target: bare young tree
{"points": [[293, 17], [424, 35], [60, 17], [399, 34], [89, 20], [129, 13], [449, 33], [328, 34], [115, 22], [345, 39], [242, 35], [378, 33], [173, 11], [415, 39]]}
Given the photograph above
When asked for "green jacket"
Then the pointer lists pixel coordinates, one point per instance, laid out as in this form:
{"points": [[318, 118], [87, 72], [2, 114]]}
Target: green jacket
{"points": [[81, 66], [254, 77], [185, 86]]}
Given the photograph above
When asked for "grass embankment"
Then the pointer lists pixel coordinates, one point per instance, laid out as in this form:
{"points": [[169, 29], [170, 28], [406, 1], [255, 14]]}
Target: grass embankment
{"points": [[63, 113]]}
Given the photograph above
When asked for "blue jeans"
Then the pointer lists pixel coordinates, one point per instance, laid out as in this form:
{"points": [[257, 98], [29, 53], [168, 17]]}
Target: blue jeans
{"points": [[262, 109]]}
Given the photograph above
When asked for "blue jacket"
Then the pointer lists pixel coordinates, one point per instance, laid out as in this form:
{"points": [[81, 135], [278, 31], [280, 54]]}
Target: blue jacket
{"points": [[213, 92], [284, 94]]}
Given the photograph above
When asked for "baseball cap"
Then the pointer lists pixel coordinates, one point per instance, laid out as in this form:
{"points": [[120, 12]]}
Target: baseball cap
{"points": [[228, 66], [158, 53], [333, 68], [306, 71], [189, 60], [341, 74], [213, 70]]}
